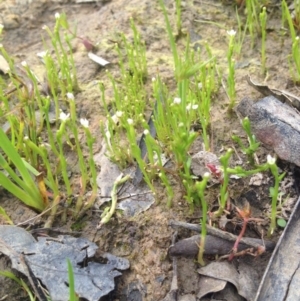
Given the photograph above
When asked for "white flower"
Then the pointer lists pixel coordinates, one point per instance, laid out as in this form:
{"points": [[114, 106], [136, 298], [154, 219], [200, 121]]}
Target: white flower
{"points": [[44, 27], [1, 26], [181, 124], [231, 32], [42, 53], [195, 107], [206, 175], [271, 160], [119, 114], [146, 132], [115, 118], [63, 116], [57, 15], [84, 122], [153, 79], [177, 100], [24, 64], [188, 107], [130, 121], [70, 96]]}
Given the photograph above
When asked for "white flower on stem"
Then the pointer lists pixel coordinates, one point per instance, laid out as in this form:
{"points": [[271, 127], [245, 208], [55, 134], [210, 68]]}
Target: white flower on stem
{"points": [[188, 107], [63, 116], [57, 15], [231, 32], [70, 96], [24, 64], [146, 132], [129, 121], [271, 160], [177, 100], [206, 175], [115, 119], [84, 122], [42, 54], [194, 107], [119, 114], [153, 79]]}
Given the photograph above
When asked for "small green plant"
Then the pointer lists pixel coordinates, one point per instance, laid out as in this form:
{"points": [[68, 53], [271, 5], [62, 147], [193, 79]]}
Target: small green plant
{"points": [[252, 11], [294, 58], [274, 191], [72, 292], [23, 186], [231, 70], [22, 284], [263, 24], [201, 187], [253, 143], [39, 148]]}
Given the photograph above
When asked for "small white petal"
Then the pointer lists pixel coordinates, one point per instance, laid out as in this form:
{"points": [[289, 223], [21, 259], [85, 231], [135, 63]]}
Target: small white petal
{"points": [[195, 107], [119, 114], [1, 26], [206, 175], [42, 54], [57, 15], [84, 122], [63, 116], [146, 132], [115, 119], [188, 107], [177, 100], [24, 64], [271, 160], [181, 124], [130, 121], [70, 96], [231, 32]]}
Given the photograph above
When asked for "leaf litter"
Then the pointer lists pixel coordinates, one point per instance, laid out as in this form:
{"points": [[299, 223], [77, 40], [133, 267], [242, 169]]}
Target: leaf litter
{"points": [[46, 260]]}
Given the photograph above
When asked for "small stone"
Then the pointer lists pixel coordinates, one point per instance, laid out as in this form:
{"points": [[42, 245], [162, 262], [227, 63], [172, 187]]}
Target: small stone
{"points": [[274, 124]]}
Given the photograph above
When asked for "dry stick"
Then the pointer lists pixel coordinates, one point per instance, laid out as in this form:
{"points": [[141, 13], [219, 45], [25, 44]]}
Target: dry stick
{"points": [[35, 217], [216, 232], [172, 294]]}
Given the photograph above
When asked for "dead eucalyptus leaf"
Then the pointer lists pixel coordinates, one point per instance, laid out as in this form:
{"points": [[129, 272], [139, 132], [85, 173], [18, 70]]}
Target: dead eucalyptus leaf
{"points": [[46, 259]]}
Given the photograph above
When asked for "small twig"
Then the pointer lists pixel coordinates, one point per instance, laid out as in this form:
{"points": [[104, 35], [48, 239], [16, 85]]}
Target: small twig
{"points": [[35, 217], [252, 242], [172, 294]]}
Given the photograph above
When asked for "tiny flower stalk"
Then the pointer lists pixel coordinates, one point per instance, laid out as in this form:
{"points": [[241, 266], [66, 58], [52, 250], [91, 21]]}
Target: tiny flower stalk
{"points": [[231, 71], [136, 152], [274, 191], [82, 165], [253, 144], [91, 164], [223, 175], [200, 187], [63, 162], [263, 25]]}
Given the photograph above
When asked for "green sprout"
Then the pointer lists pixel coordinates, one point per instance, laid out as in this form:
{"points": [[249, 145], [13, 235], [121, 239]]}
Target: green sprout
{"points": [[253, 143], [263, 24], [231, 70], [200, 187], [21, 186], [274, 191]]}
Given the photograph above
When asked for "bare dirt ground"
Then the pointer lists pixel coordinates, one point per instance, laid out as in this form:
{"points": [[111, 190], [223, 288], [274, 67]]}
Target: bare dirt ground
{"points": [[145, 238]]}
